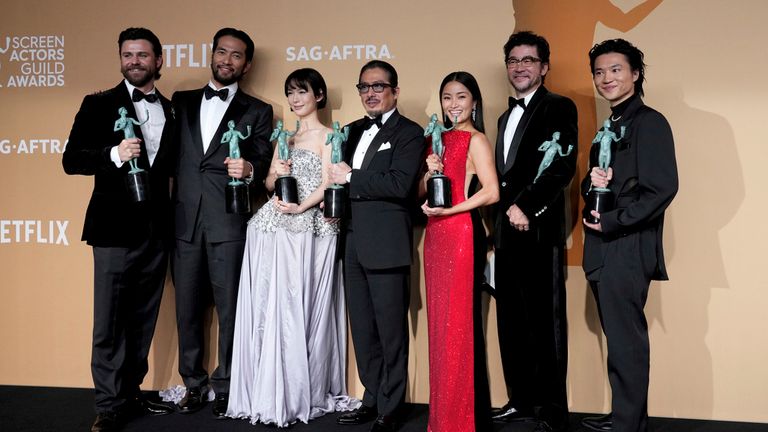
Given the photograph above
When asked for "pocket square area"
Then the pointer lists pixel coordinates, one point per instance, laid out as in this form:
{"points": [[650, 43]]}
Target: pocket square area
{"points": [[385, 146]]}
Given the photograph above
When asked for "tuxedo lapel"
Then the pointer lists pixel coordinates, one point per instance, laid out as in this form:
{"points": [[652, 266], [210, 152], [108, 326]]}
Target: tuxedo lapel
{"points": [[165, 137], [517, 139], [387, 130], [500, 141], [355, 133], [235, 111], [193, 118]]}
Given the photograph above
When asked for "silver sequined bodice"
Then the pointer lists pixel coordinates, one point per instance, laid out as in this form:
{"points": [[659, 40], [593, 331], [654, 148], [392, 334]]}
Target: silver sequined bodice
{"points": [[306, 167]]}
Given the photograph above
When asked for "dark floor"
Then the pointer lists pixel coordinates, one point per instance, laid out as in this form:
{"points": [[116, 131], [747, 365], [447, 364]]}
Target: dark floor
{"points": [[39, 409]]}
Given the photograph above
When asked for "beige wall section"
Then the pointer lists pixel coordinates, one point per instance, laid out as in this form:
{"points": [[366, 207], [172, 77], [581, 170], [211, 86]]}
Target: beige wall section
{"points": [[706, 64]]}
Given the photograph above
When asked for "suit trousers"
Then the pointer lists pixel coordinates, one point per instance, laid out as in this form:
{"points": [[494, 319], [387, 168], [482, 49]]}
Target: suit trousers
{"points": [[128, 286], [202, 269], [377, 303], [532, 327], [620, 291]]}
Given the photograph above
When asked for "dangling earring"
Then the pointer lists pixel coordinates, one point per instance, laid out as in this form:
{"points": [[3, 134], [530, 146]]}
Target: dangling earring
{"points": [[474, 113]]}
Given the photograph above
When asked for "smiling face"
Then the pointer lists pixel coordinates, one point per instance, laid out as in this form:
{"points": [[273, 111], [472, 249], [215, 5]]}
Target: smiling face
{"points": [[378, 103], [614, 78], [138, 63], [457, 101], [302, 102], [526, 79], [228, 61]]}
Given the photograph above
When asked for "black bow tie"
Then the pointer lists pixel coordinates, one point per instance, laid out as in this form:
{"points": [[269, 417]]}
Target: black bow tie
{"points": [[371, 121], [138, 95], [516, 102], [222, 94]]}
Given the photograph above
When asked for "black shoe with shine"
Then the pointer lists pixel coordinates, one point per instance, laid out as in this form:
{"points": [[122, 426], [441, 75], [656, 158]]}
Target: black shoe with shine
{"points": [[544, 426], [193, 401], [220, 405], [508, 414], [153, 406], [105, 422], [384, 423], [361, 415], [603, 423]]}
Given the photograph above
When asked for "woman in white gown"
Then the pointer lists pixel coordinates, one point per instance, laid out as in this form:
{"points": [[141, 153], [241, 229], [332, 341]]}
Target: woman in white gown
{"points": [[288, 361]]}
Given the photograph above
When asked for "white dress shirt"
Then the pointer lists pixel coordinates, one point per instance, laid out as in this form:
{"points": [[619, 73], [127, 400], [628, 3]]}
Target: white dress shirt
{"points": [[152, 131], [513, 121], [367, 139]]}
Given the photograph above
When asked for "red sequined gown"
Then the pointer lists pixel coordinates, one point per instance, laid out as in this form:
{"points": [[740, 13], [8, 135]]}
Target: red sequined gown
{"points": [[455, 353]]}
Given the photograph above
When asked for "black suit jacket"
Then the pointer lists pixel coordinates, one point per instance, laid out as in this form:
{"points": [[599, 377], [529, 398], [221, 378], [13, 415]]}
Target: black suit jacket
{"points": [[112, 218], [542, 202], [201, 179], [644, 183], [383, 191]]}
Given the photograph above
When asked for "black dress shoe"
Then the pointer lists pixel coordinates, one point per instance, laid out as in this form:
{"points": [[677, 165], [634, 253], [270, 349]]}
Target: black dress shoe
{"points": [[153, 406], [220, 405], [384, 423], [546, 427], [193, 401], [361, 415], [105, 422], [508, 414], [601, 423]]}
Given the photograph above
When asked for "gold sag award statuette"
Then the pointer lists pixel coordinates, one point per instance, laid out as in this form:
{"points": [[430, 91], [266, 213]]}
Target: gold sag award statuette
{"points": [[598, 198], [285, 185], [334, 199], [137, 179], [438, 185], [237, 198]]}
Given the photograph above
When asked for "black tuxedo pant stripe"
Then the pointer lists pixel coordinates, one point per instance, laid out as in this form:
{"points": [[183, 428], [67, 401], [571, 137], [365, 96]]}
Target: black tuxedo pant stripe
{"points": [[203, 271], [128, 286]]}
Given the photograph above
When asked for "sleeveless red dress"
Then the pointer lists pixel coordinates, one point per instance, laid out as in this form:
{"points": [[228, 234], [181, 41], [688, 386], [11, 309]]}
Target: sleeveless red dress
{"points": [[450, 279]]}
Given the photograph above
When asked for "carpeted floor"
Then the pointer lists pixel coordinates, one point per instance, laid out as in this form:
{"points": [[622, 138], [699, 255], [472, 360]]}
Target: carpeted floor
{"points": [[40, 409]]}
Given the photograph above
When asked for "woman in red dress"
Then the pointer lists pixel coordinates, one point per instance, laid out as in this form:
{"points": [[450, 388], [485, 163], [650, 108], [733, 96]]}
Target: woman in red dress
{"points": [[454, 258]]}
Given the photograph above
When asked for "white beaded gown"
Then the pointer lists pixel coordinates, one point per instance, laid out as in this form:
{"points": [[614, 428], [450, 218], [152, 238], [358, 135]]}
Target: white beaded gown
{"points": [[288, 361]]}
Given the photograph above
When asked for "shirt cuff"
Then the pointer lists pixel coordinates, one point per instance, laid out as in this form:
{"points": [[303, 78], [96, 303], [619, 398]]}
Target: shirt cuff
{"points": [[115, 157], [249, 179], [349, 177]]}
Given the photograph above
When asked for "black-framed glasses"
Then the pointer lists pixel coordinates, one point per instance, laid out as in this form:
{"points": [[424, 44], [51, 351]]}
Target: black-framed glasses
{"points": [[362, 88], [526, 61]]}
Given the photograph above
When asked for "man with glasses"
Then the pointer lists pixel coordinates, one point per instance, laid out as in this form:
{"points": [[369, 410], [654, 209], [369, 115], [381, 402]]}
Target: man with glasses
{"points": [[529, 239], [382, 159]]}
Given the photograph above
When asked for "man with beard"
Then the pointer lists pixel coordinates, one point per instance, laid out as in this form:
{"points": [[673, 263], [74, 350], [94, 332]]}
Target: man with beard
{"points": [[210, 241], [381, 164], [130, 239], [529, 239]]}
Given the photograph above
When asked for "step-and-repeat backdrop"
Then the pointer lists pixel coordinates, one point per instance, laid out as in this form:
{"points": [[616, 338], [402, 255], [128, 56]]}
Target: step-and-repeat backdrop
{"points": [[706, 73]]}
